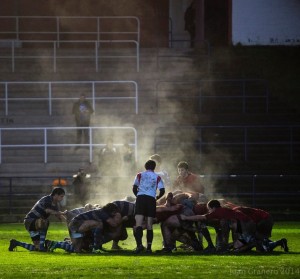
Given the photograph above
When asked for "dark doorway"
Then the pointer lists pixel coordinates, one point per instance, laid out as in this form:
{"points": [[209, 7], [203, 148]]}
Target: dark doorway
{"points": [[217, 18]]}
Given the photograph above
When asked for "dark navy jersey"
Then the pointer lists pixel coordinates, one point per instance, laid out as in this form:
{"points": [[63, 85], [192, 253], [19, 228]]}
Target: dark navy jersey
{"points": [[39, 209], [74, 212], [95, 214], [126, 208]]}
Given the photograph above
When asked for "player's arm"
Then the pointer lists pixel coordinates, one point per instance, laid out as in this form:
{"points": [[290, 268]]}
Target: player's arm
{"points": [[161, 193], [193, 218], [135, 189], [55, 212]]}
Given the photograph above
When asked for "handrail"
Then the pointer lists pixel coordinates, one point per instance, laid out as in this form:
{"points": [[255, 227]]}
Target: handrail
{"points": [[55, 46], [45, 145], [50, 85], [251, 188], [241, 83], [58, 30], [290, 142]]}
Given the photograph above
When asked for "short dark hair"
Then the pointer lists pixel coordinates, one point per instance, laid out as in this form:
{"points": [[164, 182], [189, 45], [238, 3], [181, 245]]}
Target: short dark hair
{"points": [[150, 165], [111, 208], [183, 164], [57, 191], [213, 204]]}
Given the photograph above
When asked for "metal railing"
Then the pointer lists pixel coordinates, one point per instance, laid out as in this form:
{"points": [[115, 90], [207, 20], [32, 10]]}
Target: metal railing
{"points": [[240, 89], [53, 47], [49, 89], [245, 138], [59, 27], [45, 139], [247, 190]]}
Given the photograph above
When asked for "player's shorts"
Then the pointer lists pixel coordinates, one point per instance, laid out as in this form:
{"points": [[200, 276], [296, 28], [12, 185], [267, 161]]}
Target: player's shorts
{"points": [[36, 224], [145, 205]]}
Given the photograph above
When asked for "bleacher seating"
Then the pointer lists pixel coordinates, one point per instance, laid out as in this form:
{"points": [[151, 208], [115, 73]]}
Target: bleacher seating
{"points": [[191, 99]]}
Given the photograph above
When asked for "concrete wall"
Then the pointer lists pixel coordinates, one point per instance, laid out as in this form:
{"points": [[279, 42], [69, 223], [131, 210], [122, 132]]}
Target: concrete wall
{"points": [[266, 22]]}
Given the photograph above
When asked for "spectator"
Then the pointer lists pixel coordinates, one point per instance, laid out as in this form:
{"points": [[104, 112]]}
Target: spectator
{"points": [[190, 24], [82, 110], [109, 159], [81, 187], [128, 160]]}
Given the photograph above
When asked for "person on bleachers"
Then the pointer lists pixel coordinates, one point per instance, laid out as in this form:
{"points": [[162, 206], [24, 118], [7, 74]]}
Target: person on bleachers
{"points": [[82, 109]]}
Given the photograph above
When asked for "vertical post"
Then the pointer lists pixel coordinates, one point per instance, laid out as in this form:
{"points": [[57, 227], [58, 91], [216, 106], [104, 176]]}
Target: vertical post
{"points": [[54, 57], [0, 145], [12, 56], [57, 31], [6, 98], [17, 28], [244, 95], [137, 56], [245, 144], [45, 146], [253, 191], [291, 144], [91, 144], [96, 56], [50, 97], [10, 195]]}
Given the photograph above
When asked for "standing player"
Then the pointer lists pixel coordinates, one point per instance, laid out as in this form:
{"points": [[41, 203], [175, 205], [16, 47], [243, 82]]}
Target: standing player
{"points": [[144, 188], [36, 221], [187, 181]]}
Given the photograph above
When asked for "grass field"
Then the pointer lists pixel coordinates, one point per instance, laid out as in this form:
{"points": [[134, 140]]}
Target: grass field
{"points": [[124, 264]]}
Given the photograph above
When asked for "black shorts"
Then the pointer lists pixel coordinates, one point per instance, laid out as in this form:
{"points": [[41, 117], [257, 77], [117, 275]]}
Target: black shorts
{"points": [[145, 205]]}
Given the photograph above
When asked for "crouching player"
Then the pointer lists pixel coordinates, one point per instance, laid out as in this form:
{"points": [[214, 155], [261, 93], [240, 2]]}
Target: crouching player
{"points": [[67, 244], [87, 229], [226, 219], [36, 221], [264, 224]]}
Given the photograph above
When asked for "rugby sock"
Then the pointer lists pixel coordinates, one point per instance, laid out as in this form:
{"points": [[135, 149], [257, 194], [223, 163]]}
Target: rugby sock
{"points": [[27, 246], [65, 246], [138, 235], [149, 239], [42, 240], [97, 238]]}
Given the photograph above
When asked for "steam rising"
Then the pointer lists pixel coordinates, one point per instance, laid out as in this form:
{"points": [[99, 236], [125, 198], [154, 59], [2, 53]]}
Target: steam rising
{"points": [[169, 130]]}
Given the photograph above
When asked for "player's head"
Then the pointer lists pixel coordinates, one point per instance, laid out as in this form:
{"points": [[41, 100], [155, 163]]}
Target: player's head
{"points": [[57, 194], [57, 191], [183, 169], [183, 165], [213, 204], [111, 209], [150, 165], [156, 158]]}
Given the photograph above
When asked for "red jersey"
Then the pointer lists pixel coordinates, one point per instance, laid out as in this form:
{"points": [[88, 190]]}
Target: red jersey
{"points": [[190, 183], [200, 209], [164, 215], [255, 214], [228, 214]]}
